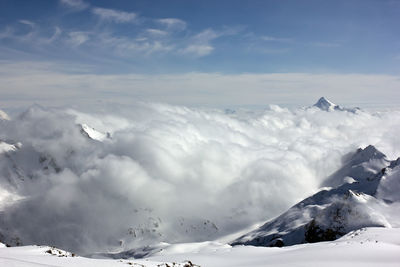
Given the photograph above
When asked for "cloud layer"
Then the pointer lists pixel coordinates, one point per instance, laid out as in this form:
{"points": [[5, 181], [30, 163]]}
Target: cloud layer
{"points": [[169, 173], [66, 84]]}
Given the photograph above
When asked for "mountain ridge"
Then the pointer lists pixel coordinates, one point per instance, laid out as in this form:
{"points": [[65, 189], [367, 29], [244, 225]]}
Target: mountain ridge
{"points": [[331, 213]]}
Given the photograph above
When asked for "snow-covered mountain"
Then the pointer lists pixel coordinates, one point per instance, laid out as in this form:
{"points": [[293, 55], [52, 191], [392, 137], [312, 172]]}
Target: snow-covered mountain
{"points": [[364, 195], [4, 115], [93, 133], [326, 105]]}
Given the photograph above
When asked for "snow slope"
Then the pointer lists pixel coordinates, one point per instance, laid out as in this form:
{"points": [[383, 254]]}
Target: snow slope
{"points": [[364, 247], [364, 197], [28, 256]]}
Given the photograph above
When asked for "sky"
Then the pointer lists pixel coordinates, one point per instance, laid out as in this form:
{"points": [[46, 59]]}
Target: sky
{"points": [[205, 53]]}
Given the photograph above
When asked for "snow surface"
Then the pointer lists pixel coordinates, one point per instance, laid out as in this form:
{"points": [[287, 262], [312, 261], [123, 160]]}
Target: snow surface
{"points": [[28, 256], [364, 247]]}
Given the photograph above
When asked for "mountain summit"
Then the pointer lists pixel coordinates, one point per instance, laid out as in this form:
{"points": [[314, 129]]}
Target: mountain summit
{"points": [[326, 105], [4, 116]]}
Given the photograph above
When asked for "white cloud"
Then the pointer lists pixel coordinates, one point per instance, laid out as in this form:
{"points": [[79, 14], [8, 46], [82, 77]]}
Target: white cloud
{"points": [[56, 35], [78, 38], [75, 4], [200, 44], [48, 82], [156, 32], [169, 169], [276, 39], [197, 50], [27, 22], [114, 15], [173, 23], [206, 36], [128, 47]]}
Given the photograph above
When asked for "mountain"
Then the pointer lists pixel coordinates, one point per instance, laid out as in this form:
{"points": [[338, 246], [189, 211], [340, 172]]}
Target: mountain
{"points": [[93, 133], [4, 116], [365, 189], [326, 105], [6, 147]]}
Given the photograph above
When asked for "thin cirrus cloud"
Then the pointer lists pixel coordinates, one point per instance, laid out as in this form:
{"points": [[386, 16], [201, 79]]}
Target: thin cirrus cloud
{"points": [[200, 44], [27, 22], [276, 39], [163, 35], [113, 15], [78, 38], [56, 35], [172, 23], [197, 50], [325, 44], [75, 4], [156, 32]]}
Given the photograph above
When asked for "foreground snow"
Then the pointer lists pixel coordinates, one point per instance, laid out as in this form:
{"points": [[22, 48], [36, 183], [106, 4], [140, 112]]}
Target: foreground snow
{"points": [[365, 247]]}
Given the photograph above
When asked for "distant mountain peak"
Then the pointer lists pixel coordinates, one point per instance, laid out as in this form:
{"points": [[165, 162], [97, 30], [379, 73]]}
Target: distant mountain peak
{"points": [[93, 133], [326, 105], [4, 116]]}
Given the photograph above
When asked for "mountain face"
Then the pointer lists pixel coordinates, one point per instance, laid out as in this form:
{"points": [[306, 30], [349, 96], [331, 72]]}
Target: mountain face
{"points": [[326, 105], [365, 187]]}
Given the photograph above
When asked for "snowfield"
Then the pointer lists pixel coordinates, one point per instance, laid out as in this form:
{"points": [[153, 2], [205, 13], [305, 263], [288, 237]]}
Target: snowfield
{"points": [[364, 247]]}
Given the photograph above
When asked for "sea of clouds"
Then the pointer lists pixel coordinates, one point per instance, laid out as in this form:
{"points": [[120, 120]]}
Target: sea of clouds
{"points": [[169, 173]]}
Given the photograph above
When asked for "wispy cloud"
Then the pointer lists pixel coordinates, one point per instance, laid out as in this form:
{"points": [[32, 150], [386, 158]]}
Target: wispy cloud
{"points": [[276, 39], [23, 31], [27, 22], [78, 38], [75, 4], [114, 15], [56, 34], [126, 46], [200, 45], [325, 44], [173, 23], [206, 36], [156, 32], [198, 50]]}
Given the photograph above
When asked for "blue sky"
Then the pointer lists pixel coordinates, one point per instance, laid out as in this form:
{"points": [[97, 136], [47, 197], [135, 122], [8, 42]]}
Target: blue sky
{"points": [[134, 37]]}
